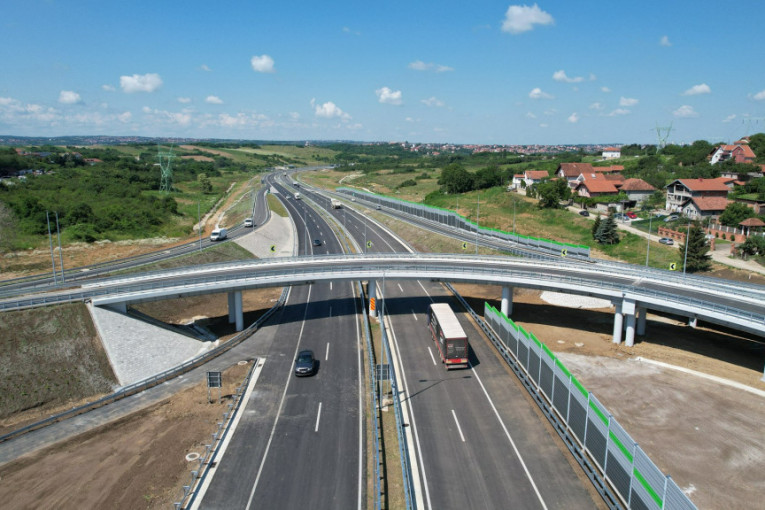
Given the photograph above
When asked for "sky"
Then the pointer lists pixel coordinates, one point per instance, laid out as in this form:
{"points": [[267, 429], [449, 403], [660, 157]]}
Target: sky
{"points": [[551, 72]]}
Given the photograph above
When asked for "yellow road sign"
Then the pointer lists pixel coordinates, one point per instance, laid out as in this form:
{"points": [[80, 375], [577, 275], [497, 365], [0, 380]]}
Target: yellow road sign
{"points": [[673, 266], [564, 252], [273, 248], [464, 246]]}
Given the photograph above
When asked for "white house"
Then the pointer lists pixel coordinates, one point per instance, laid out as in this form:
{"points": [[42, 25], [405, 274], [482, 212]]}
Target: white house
{"points": [[612, 153]]}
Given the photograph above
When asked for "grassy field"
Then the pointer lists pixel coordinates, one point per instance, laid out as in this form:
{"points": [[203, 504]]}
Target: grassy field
{"points": [[276, 206], [49, 357]]}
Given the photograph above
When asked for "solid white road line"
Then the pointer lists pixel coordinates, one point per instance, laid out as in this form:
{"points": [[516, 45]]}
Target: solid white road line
{"points": [[318, 417], [359, 350], [512, 443], [431, 355], [326, 354], [281, 404], [424, 290], [459, 429], [400, 288]]}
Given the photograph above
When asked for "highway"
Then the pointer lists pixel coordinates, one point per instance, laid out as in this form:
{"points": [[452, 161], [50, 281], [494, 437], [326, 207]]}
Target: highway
{"points": [[299, 442], [478, 441]]}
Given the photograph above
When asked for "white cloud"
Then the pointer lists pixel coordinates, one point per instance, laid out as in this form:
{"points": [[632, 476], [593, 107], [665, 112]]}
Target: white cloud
{"points": [[433, 102], [388, 96], [729, 117], [702, 88], [530, 115], [204, 67], [349, 31], [294, 115], [596, 106], [69, 97], [627, 101], [685, 111], [593, 77], [180, 118], [125, 116], [618, 112], [140, 83], [184, 100], [328, 110], [419, 65], [573, 118], [561, 76], [543, 125], [538, 94], [522, 18], [551, 112], [664, 41], [759, 96], [108, 88], [605, 89], [213, 100], [262, 64]]}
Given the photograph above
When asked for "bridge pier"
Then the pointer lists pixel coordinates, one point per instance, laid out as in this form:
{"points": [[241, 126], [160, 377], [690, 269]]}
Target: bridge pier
{"points": [[628, 309], [507, 301], [121, 307], [693, 321], [641, 317], [235, 314], [372, 292], [618, 323]]}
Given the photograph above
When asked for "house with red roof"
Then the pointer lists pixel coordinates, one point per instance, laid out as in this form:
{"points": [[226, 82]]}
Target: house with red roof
{"points": [[570, 171], [612, 153], [637, 190], [534, 176], [680, 191], [739, 152], [697, 208]]}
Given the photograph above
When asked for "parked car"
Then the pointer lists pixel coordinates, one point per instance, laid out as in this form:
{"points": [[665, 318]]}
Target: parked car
{"points": [[671, 217], [305, 364], [621, 217], [631, 215], [666, 240], [584, 212]]}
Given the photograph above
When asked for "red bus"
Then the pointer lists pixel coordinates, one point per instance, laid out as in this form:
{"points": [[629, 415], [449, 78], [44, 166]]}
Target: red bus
{"points": [[450, 338]]}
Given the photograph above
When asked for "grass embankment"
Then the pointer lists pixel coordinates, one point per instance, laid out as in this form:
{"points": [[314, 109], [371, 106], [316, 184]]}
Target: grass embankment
{"points": [[276, 206], [50, 356]]}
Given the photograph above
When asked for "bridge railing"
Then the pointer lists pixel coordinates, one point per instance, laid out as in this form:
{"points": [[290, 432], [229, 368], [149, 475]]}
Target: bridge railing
{"points": [[452, 219], [620, 470]]}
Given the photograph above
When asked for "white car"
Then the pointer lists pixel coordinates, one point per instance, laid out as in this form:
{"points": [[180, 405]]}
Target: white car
{"points": [[248, 222]]}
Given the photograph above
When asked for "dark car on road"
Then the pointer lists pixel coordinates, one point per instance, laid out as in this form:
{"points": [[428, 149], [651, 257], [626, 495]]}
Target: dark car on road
{"points": [[584, 213], [317, 242], [305, 364]]}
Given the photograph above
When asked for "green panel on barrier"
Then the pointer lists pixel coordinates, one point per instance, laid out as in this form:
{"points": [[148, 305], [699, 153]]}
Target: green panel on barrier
{"points": [[549, 352], [563, 367], [623, 448], [600, 414], [535, 339], [579, 385], [648, 487]]}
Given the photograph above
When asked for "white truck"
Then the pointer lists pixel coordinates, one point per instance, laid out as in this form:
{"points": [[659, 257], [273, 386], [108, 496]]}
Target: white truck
{"points": [[297, 196], [336, 204], [218, 234]]}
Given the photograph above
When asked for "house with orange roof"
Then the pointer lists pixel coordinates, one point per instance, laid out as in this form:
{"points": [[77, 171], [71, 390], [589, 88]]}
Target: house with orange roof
{"points": [[534, 176], [637, 190], [595, 185], [612, 153], [739, 152], [697, 208], [570, 171], [680, 190]]}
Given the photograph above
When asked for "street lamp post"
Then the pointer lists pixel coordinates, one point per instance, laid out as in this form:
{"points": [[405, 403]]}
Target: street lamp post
{"points": [[648, 244], [687, 237]]}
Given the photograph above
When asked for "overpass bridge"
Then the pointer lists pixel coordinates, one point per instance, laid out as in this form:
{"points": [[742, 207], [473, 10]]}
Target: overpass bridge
{"points": [[632, 296]]}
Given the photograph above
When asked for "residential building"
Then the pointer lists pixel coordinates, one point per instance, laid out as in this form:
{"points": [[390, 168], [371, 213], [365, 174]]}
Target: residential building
{"points": [[637, 190], [612, 153], [534, 176], [698, 208], [680, 190], [595, 185], [570, 171], [740, 152]]}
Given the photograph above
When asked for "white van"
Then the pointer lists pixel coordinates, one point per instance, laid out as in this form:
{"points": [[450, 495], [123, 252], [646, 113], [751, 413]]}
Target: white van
{"points": [[219, 234], [248, 222]]}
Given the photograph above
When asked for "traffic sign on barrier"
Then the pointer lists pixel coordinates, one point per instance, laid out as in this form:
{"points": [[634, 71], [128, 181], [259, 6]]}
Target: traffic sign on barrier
{"points": [[273, 248], [673, 266], [564, 252]]}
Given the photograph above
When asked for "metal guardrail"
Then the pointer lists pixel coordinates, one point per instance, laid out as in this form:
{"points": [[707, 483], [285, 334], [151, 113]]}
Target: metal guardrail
{"points": [[376, 408], [191, 491], [453, 219], [151, 381], [620, 470]]}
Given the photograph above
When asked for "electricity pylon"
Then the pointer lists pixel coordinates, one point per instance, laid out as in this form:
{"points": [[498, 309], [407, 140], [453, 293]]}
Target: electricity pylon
{"points": [[165, 159]]}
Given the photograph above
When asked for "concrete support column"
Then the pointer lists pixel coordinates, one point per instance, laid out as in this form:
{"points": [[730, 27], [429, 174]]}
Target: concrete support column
{"points": [[120, 307], [372, 291], [507, 301], [618, 322], [642, 312], [693, 321], [235, 313], [628, 310]]}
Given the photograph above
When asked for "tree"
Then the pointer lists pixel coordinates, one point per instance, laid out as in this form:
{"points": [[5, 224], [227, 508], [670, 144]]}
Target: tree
{"points": [[204, 183], [7, 228], [698, 257], [455, 179], [757, 144], [735, 213], [607, 232], [753, 245], [551, 193], [596, 226]]}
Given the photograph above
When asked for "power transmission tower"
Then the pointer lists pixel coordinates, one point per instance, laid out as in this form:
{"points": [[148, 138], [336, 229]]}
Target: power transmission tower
{"points": [[165, 159], [662, 134], [749, 121]]}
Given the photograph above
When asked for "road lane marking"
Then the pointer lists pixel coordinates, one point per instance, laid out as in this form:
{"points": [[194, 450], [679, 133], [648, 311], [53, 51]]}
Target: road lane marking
{"points": [[425, 291], [326, 354], [359, 350], [281, 404], [414, 315], [512, 443], [459, 429], [431, 355], [400, 288], [318, 417], [330, 288]]}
